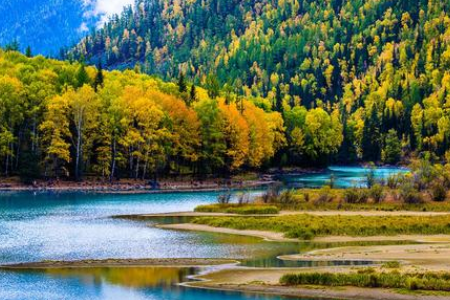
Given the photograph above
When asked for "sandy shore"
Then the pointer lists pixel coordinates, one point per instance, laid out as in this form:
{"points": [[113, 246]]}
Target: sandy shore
{"points": [[279, 237], [321, 292], [266, 281], [266, 235], [434, 257], [414, 258], [91, 263]]}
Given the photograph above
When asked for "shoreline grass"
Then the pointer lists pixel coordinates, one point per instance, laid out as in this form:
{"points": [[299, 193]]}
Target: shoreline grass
{"points": [[377, 198], [240, 209], [307, 227], [369, 278]]}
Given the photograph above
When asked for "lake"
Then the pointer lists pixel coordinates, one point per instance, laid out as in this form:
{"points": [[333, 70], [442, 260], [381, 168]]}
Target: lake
{"points": [[73, 226], [343, 176]]}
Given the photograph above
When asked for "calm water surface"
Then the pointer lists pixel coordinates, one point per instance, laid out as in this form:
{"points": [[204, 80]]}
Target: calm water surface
{"points": [[344, 177], [78, 226], [36, 227]]}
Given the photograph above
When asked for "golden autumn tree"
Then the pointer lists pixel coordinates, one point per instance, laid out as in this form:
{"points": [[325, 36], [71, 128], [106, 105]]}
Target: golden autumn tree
{"points": [[236, 131], [56, 136], [84, 115]]}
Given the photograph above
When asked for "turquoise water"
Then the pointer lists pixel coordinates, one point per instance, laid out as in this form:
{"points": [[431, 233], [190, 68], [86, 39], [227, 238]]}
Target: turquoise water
{"points": [[49, 226], [344, 177], [78, 226]]}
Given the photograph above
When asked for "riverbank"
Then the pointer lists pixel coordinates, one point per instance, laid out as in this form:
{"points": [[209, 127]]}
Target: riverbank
{"points": [[321, 292], [426, 257], [267, 281], [279, 237], [135, 186], [96, 263]]}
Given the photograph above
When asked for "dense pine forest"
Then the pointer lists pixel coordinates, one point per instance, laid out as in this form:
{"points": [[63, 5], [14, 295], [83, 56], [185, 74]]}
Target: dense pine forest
{"points": [[379, 66]]}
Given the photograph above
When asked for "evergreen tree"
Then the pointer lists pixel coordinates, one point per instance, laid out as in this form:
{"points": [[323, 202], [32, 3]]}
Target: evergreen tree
{"points": [[99, 78], [182, 87], [213, 86], [371, 137], [82, 76], [392, 150], [28, 52], [192, 95], [13, 46], [278, 100]]}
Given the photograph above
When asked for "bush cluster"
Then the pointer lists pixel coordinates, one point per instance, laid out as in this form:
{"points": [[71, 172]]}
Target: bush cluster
{"points": [[429, 281]]}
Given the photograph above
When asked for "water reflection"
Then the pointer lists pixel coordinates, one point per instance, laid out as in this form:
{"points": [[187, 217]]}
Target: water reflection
{"points": [[77, 226], [132, 277], [110, 283]]}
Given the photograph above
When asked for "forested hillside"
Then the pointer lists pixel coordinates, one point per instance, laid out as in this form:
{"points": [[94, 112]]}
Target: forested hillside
{"points": [[44, 25], [380, 66], [67, 120]]}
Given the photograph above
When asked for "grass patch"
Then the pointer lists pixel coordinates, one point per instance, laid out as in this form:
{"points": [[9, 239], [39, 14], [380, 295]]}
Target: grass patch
{"points": [[241, 209], [306, 226], [391, 265], [369, 278]]}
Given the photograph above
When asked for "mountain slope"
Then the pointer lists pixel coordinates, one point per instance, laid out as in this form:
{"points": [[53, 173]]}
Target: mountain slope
{"points": [[383, 64], [315, 47], [44, 25]]}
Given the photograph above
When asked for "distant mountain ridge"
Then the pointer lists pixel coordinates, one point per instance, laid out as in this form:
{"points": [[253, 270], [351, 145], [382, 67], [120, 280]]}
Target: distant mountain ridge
{"points": [[44, 25]]}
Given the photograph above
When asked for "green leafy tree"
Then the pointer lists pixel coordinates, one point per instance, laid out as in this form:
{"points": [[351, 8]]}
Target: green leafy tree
{"points": [[393, 149]]}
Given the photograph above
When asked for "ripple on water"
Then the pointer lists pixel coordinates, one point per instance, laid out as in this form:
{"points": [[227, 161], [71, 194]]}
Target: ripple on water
{"points": [[77, 226]]}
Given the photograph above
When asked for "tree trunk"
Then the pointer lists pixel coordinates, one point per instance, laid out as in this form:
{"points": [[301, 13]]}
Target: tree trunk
{"points": [[113, 160], [78, 151]]}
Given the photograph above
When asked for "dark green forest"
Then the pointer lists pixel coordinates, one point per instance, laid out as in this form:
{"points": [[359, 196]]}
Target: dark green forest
{"points": [[382, 64]]}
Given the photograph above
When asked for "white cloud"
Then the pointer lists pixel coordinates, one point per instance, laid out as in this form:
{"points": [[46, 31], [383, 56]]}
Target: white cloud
{"points": [[105, 8], [83, 27], [110, 7]]}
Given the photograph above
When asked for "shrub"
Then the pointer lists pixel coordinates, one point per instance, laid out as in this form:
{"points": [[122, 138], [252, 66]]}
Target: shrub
{"points": [[355, 195], [429, 281], [286, 197], [438, 192], [391, 265], [325, 195], [272, 193], [351, 195], [370, 177], [306, 197], [409, 195], [300, 233], [377, 193], [393, 181]]}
